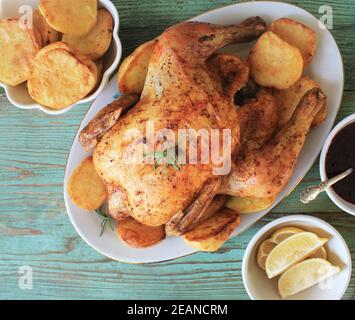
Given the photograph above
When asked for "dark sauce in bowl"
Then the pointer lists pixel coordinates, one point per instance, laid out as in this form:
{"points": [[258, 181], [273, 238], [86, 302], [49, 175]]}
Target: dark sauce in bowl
{"points": [[341, 157]]}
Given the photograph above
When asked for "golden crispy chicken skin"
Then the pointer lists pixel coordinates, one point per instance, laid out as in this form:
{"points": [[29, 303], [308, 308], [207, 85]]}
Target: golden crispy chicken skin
{"points": [[180, 92], [265, 172], [258, 122]]}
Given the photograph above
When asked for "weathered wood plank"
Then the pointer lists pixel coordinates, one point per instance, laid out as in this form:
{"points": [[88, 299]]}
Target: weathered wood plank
{"points": [[35, 229], [69, 269]]}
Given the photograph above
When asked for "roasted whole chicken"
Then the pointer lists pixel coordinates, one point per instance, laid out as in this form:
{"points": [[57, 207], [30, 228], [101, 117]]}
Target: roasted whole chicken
{"points": [[190, 86], [182, 90]]}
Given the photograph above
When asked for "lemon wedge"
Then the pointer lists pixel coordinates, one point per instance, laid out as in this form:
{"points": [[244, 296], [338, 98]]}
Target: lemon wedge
{"points": [[305, 275], [321, 253], [283, 233], [277, 237], [263, 252], [292, 250]]}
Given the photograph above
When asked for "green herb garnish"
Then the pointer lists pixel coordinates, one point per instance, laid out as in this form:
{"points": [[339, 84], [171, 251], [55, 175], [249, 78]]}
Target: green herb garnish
{"points": [[105, 219], [166, 158]]}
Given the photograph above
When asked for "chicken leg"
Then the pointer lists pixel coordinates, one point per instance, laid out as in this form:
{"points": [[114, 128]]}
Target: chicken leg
{"points": [[266, 172]]}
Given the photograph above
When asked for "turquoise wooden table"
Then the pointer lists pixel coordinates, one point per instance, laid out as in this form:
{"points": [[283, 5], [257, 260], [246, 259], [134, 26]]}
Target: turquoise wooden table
{"points": [[35, 230]]}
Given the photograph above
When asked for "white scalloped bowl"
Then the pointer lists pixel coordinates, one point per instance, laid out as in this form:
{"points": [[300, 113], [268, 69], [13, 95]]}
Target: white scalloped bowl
{"points": [[19, 96]]}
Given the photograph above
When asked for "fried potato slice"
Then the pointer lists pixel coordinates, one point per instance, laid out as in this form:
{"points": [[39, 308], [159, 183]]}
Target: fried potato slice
{"points": [[56, 45], [86, 188], [48, 34], [96, 43], [100, 72], [214, 232], [247, 205], [59, 77], [134, 69], [287, 101], [18, 48], [275, 63], [298, 35], [93, 66], [70, 17], [138, 235]]}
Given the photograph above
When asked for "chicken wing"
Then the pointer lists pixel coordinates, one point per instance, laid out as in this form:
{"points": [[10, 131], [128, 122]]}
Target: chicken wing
{"points": [[91, 135]]}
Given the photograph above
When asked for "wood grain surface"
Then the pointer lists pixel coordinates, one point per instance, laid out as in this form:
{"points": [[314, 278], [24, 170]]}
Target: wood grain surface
{"points": [[34, 226]]}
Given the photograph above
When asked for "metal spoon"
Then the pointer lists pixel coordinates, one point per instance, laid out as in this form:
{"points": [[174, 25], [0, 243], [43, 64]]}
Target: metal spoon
{"points": [[312, 193]]}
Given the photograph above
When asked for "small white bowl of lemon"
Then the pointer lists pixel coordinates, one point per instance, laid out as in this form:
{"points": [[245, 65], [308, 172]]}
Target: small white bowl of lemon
{"points": [[297, 257]]}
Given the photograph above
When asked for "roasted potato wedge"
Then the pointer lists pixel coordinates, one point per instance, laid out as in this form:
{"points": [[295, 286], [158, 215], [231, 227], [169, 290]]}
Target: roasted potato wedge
{"points": [[70, 17], [48, 34], [86, 188], [248, 204], [138, 235], [287, 101], [59, 77], [96, 43], [275, 63], [134, 69], [211, 234], [18, 48], [298, 35]]}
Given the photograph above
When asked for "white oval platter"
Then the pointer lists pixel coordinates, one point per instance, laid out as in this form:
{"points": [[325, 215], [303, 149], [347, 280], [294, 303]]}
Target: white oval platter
{"points": [[326, 69]]}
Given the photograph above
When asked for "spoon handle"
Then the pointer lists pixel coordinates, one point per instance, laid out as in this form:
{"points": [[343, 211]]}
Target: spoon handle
{"points": [[326, 184], [312, 193]]}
